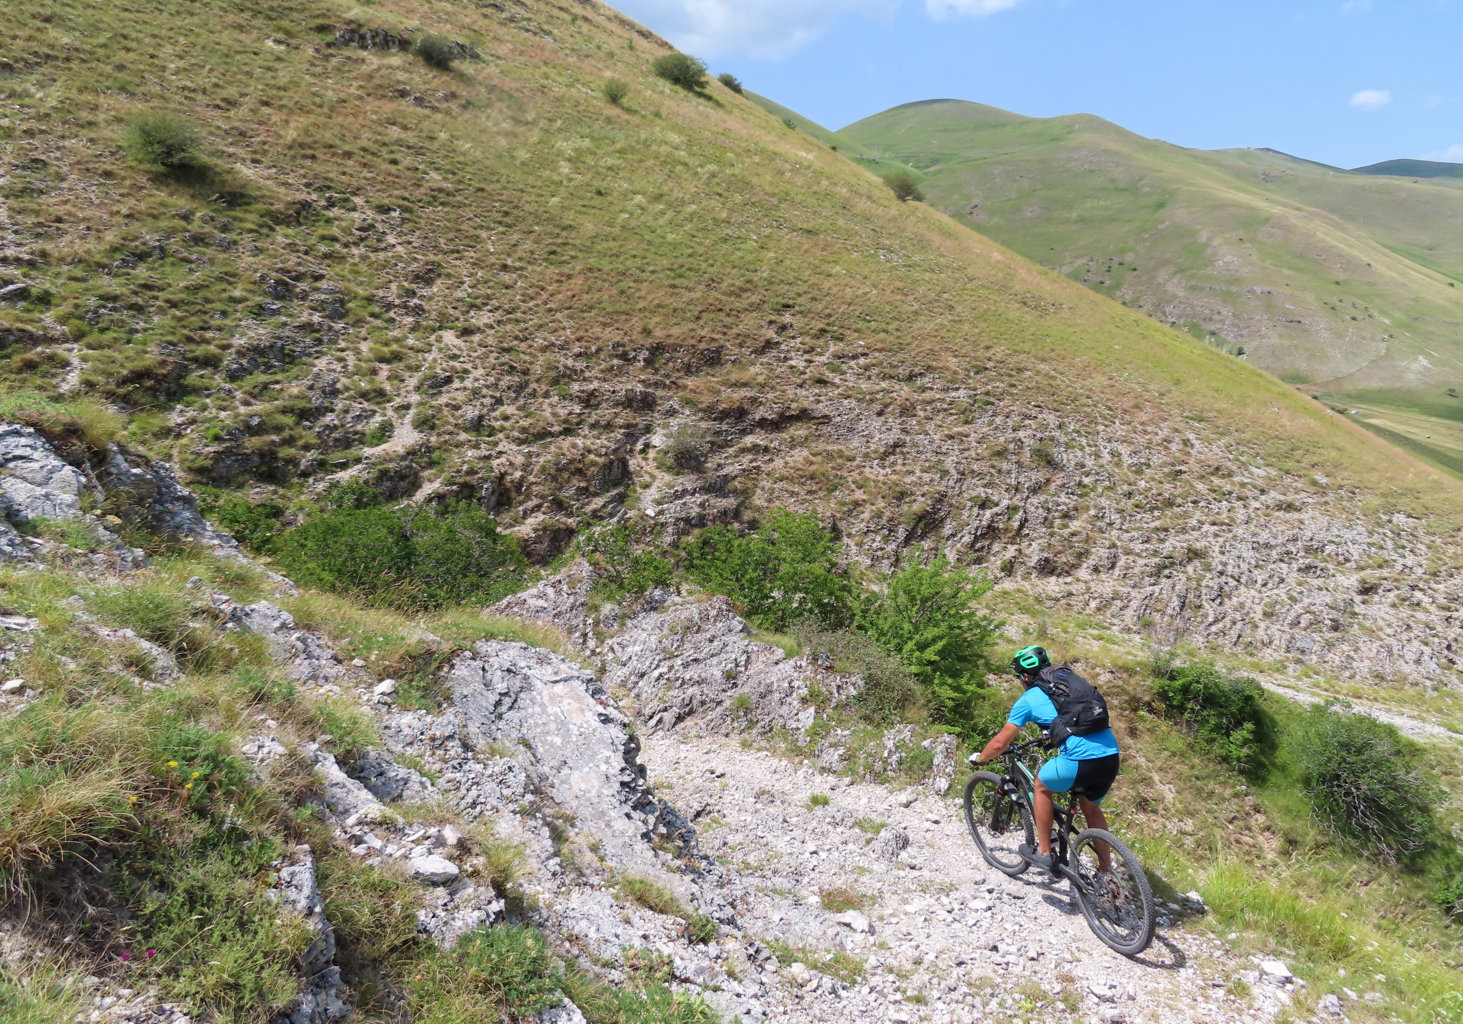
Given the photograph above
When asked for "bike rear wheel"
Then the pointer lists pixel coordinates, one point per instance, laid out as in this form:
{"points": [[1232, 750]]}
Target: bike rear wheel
{"points": [[998, 822], [1118, 905]]}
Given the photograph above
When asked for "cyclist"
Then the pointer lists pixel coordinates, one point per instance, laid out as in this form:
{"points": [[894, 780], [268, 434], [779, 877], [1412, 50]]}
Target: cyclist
{"points": [[1085, 766]]}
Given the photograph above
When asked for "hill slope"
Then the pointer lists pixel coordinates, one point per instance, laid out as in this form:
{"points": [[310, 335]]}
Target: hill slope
{"points": [[490, 284], [1343, 281]]}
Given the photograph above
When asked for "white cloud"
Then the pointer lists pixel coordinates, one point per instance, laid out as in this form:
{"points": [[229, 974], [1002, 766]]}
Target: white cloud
{"points": [[940, 9], [1371, 99], [1357, 6], [1452, 155], [761, 29]]}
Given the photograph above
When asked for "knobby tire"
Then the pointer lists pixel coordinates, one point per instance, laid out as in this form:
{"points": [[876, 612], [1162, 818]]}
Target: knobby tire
{"points": [[1119, 908], [998, 823]]}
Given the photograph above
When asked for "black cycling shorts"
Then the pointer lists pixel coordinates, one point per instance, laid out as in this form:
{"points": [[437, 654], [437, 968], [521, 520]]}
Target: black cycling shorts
{"points": [[1091, 778]]}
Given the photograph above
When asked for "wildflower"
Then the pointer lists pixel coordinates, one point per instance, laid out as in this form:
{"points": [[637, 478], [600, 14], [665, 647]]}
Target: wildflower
{"points": [[196, 774], [124, 956], [172, 764], [151, 953], [188, 786]]}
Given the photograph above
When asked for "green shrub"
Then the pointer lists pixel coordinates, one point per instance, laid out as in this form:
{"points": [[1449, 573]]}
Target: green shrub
{"points": [[615, 90], [421, 558], [1359, 777], [926, 618], [903, 185], [253, 526], [786, 572], [1223, 711], [685, 449], [162, 139], [681, 69], [1450, 897], [437, 51], [731, 81], [622, 571], [353, 493]]}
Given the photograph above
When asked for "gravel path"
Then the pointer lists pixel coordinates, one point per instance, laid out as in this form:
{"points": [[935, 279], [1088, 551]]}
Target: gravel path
{"points": [[949, 939]]}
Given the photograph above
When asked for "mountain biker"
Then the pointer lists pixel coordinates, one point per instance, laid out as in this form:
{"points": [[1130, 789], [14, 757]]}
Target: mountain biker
{"points": [[1085, 766]]}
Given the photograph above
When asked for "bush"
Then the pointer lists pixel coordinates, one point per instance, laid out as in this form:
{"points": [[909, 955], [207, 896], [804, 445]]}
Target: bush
{"points": [[165, 140], [437, 51], [615, 90], [926, 619], [253, 526], [1450, 897], [421, 559], [1223, 711], [889, 694], [681, 69], [731, 81], [622, 571], [1359, 777], [685, 448], [904, 186], [786, 572]]}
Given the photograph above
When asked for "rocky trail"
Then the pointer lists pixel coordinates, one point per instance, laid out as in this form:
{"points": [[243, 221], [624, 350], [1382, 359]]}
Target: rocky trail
{"points": [[940, 936]]}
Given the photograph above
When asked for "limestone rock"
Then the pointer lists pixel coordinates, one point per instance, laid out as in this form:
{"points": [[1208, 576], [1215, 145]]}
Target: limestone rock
{"points": [[324, 998], [432, 869], [35, 483], [390, 782], [890, 842], [558, 721]]}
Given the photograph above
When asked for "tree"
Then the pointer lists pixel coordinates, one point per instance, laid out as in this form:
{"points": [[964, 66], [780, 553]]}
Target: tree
{"points": [[731, 81], [904, 186], [681, 69], [926, 618]]}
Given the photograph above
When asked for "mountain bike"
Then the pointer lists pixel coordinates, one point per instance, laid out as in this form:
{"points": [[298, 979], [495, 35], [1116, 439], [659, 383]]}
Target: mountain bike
{"points": [[1117, 903]]}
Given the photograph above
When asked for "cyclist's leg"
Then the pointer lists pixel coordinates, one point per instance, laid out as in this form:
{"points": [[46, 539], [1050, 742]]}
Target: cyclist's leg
{"points": [[1092, 781], [1096, 819], [1056, 776], [1043, 808]]}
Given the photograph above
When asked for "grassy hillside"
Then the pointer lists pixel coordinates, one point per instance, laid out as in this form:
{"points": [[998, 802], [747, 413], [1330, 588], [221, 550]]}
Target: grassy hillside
{"points": [[1337, 280], [490, 283]]}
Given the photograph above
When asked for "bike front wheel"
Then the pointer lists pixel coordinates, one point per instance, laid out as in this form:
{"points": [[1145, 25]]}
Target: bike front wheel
{"points": [[998, 822], [1118, 904]]}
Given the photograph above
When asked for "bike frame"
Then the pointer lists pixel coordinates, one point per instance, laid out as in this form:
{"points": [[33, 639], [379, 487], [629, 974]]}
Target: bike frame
{"points": [[1019, 774]]}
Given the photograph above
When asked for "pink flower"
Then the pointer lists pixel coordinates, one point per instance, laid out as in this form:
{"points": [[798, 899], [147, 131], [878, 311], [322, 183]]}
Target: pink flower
{"points": [[124, 957], [151, 953]]}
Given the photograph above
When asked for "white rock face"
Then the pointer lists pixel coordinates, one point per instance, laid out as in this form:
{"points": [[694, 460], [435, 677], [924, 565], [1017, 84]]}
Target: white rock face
{"points": [[559, 718], [34, 481]]}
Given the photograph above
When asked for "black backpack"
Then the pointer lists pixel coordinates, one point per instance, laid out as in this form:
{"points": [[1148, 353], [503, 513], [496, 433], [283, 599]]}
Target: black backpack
{"points": [[1081, 710]]}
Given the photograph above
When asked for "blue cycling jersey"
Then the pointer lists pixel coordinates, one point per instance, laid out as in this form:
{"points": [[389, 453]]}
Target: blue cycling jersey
{"points": [[1036, 706]]}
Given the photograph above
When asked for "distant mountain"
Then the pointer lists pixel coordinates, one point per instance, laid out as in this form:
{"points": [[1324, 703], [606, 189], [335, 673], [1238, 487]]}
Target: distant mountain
{"points": [[1347, 282], [1413, 169]]}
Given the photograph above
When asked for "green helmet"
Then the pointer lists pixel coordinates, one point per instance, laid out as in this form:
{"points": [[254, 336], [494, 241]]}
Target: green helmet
{"points": [[1029, 659]]}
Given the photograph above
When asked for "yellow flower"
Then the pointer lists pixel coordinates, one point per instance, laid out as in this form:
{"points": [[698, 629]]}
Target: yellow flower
{"points": [[132, 799], [196, 774], [189, 786], [172, 764]]}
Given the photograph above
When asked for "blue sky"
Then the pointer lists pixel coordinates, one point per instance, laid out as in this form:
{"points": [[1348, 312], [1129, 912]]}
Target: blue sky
{"points": [[1345, 82]]}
